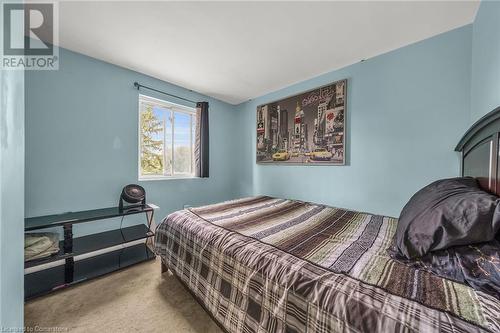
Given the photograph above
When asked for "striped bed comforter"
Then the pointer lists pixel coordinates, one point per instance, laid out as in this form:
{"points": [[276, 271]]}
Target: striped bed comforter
{"points": [[264, 264]]}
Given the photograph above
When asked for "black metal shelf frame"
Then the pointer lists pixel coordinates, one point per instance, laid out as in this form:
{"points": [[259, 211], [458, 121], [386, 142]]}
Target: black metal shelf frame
{"points": [[46, 280]]}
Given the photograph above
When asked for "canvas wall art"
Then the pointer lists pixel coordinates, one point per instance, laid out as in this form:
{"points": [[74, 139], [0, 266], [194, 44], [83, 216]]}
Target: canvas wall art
{"points": [[308, 128]]}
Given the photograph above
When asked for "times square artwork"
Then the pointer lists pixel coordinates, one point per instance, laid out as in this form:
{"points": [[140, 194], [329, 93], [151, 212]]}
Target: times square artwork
{"points": [[308, 128]]}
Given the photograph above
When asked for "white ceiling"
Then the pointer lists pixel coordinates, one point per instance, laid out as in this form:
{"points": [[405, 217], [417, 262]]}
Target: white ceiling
{"points": [[235, 51]]}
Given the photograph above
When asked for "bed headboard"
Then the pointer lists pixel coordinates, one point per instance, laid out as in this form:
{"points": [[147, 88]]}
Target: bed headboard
{"points": [[480, 149]]}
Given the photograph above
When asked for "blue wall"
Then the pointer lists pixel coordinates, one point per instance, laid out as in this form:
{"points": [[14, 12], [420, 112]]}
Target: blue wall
{"points": [[82, 142], [11, 199], [407, 109], [486, 60]]}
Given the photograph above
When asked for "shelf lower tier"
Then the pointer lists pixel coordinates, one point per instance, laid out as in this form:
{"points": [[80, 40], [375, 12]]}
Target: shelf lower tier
{"points": [[45, 281]]}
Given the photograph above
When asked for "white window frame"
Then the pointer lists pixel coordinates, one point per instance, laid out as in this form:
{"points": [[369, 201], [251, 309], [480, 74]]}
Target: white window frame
{"points": [[173, 107]]}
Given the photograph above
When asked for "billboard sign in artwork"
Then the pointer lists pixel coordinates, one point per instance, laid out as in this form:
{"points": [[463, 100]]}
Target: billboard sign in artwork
{"points": [[308, 128]]}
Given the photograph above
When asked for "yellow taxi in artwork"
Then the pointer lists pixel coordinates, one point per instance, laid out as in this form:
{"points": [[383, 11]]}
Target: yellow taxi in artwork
{"points": [[321, 154], [281, 155]]}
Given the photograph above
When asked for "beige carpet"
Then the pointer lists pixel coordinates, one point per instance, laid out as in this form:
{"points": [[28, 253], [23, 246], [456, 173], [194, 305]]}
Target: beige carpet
{"points": [[137, 299]]}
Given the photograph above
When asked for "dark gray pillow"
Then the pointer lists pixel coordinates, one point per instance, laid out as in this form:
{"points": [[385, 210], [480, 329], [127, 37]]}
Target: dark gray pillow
{"points": [[447, 213]]}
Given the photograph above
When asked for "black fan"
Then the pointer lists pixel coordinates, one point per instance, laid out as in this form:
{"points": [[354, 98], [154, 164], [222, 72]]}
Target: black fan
{"points": [[134, 195]]}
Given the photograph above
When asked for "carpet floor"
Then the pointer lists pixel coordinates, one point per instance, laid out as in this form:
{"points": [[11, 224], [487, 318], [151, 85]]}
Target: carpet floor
{"points": [[136, 299]]}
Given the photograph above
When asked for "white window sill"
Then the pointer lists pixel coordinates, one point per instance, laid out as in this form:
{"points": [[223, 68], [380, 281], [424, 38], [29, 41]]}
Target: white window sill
{"points": [[176, 177]]}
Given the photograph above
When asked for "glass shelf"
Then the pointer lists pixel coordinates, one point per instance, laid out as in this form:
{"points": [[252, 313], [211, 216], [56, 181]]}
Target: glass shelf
{"points": [[73, 271], [94, 242], [47, 221], [51, 279]]}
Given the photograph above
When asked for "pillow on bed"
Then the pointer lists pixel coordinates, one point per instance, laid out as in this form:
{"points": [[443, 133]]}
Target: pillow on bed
{"points": [[475, 265], [447, 213]]}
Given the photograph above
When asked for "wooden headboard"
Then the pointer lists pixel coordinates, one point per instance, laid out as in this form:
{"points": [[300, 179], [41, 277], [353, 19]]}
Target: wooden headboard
{"points": [[480, 149]]}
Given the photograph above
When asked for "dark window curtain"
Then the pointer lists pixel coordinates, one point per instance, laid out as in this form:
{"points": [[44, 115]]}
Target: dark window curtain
{"points": [[201, 145]]}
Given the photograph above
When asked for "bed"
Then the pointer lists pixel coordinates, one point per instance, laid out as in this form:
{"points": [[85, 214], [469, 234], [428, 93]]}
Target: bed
{"points": [[265, 264]]}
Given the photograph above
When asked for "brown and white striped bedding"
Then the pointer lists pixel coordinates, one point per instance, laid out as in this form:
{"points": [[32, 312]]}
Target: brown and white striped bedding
{"points": [[264, 264]]}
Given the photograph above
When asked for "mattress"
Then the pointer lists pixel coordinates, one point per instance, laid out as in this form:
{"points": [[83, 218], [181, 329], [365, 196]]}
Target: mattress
{"points": [[266, 264]]}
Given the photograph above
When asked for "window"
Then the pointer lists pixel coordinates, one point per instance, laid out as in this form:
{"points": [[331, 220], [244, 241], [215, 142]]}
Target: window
{"points": [[166, 139]]}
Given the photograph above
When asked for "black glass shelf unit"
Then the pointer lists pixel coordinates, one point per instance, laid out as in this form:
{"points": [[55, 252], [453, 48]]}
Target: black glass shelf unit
{"points": [[42, 280]]}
